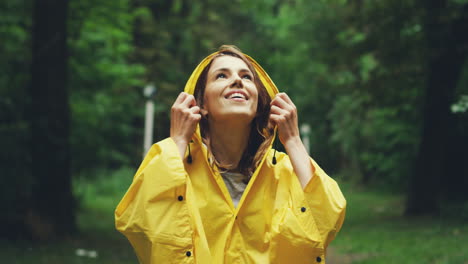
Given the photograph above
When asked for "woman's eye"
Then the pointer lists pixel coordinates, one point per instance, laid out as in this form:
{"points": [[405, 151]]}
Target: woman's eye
{"points": [[220, 75], [247, 76]]}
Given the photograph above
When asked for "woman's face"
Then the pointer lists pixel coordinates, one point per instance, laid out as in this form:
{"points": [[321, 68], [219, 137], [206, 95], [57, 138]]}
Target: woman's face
{"points": [[230, 91]]}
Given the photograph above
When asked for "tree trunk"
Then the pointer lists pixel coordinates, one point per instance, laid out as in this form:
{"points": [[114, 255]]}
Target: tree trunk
{"points": [[51, 212], [447, 42]]}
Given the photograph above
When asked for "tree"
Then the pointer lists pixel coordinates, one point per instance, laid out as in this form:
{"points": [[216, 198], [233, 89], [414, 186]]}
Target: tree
{"points": [[445, 30], [14, 77], [52, 210]]}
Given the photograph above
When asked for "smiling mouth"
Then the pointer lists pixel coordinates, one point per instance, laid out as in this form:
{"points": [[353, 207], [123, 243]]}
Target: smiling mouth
{"points": [[236, 96]]}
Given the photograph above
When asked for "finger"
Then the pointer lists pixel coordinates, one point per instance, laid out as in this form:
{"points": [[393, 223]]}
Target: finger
{"points": [[272, 119], [281, 103], [277, 110], [277, 119], [189, 101], [195, 110], [180, 98], [278, 100], [196, 117], [286, 98]]}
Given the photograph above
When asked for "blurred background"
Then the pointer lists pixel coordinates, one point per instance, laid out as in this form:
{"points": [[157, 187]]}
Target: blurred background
{"points": [[383, 86]]}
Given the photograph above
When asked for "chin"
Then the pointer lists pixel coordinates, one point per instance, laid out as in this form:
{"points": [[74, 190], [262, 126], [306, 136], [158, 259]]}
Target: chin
{"points": [[237, 116]]}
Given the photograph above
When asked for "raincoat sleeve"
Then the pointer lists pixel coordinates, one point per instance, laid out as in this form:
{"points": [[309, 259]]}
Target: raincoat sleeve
{"points": [[153, 214], [328, 206]]}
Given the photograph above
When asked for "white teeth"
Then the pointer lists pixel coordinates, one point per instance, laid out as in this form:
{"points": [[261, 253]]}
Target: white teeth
{"points": [[237, 95]]}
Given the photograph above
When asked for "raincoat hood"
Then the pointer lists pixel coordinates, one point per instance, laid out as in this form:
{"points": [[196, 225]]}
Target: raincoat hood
{"points": [[264, 78], [261, 73]]}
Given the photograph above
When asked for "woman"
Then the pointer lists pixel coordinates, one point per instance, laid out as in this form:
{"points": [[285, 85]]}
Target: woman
{"points": [[216, 192]]}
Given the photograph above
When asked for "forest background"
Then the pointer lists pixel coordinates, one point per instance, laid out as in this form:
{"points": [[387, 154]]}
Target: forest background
{"points": [[382, 84]]}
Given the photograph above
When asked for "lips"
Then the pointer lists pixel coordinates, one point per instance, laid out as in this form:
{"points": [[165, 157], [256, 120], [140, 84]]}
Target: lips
{"points": [[237, 95]]}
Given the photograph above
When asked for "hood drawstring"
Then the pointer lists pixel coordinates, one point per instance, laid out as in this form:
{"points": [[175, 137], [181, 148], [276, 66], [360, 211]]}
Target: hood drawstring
{"points": [[274, 153], [189, 157]]}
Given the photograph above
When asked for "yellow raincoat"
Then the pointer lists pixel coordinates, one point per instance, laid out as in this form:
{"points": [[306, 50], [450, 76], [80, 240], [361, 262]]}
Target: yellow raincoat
{"points": [[180, 212]]}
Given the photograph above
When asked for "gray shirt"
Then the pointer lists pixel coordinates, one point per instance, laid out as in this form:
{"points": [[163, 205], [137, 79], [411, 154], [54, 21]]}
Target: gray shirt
{"points": [[235, 185]]}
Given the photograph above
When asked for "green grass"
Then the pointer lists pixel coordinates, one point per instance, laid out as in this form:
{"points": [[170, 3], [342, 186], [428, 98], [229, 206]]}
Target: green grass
{"points": [[376, 232], [110, 246], [95, 219]]}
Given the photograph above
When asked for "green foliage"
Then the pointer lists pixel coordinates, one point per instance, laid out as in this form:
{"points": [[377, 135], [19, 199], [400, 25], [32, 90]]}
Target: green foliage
{"points": [[459, 2], [371, 140], [461, 106], [348, 117], [105, 85], [102, 189], [15, 62]]}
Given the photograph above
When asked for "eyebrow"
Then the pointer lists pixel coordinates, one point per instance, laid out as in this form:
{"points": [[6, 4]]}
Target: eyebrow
{"points": [[227, 70]]}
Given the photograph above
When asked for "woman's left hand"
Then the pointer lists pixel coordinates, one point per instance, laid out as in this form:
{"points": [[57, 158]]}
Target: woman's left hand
{"points": [[283, 114]]}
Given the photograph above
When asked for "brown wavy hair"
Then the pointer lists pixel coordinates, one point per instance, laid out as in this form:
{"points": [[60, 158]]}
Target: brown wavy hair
{"points": [[261, 134]]}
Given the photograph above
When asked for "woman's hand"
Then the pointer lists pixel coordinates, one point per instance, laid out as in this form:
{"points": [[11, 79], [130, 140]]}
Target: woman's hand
{"points": [[283, 114], [185, 115]]}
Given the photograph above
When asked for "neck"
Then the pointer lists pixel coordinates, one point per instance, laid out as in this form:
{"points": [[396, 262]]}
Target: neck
{"points": [[228, 141]]}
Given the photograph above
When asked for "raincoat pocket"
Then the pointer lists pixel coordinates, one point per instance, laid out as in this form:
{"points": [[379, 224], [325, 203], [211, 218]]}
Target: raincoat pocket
{"points": [[161, 248], [169, 249], [295, 238]]}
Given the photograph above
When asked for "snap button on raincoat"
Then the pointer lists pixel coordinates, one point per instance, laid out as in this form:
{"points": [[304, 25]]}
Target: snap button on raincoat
{"points": [[179, 212]]}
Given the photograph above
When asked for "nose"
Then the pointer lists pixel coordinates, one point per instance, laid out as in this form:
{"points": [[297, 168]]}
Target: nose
{"points": [[237, 82]]}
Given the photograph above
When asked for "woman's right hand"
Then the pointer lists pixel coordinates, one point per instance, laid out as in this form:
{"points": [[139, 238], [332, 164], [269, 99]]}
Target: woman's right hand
{"points": [[185, 115]]}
